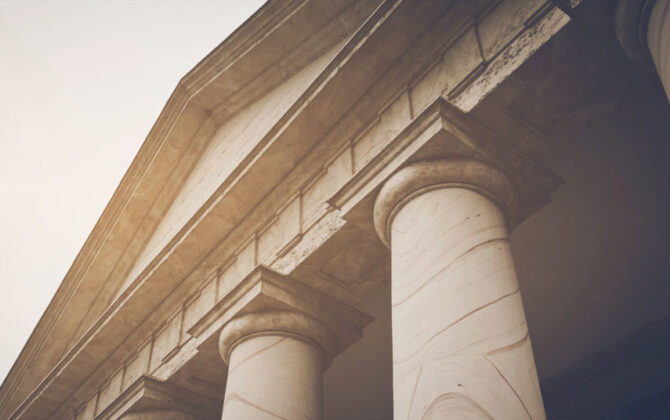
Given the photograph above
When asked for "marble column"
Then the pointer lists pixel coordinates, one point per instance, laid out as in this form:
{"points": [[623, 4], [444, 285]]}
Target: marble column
{"points": [[275, 361], [278, 337], [461, 348], [658, 40]]}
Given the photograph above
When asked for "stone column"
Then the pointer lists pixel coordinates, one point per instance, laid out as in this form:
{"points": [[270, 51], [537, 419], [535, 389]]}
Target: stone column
{"points": [[278, 337], [275, 361], [461, 348], [643, 29], [658, 40]]}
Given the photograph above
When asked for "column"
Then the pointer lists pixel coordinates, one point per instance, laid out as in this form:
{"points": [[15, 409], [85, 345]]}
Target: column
{"points": [[275, 368], [658, 41], [461, 348], [278, 337], [643, 30]]}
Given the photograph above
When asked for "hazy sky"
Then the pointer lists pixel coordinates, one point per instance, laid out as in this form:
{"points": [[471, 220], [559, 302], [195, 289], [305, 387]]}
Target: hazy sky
{"points": [[81, 84]]}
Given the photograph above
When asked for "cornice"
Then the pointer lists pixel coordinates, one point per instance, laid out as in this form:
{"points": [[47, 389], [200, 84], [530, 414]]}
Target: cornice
{"points": [[442, 131], [148, 393], [238, 43], [268, 302]]}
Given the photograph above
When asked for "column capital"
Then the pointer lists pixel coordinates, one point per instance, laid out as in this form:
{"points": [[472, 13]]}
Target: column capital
{"points": [[631, 21], [269, 303], [424, 176], [442, 132], [287, 323]]}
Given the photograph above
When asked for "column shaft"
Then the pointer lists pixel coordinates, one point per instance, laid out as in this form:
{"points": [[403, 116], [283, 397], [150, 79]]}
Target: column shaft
{"points": [[274, 376], [658, 41], [461, 348]]}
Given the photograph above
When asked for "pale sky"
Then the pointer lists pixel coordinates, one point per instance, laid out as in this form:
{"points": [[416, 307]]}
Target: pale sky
{"points": [[81, 84]]}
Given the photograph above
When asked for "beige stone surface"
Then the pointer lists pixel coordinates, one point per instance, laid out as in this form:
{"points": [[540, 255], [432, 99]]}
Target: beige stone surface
{"points": [[109, 391], [148, 398], [137, 366], [229, 146], [276, 342], [87, 411], [262, 299], [461, 347], [271, 152], [274, 376]]}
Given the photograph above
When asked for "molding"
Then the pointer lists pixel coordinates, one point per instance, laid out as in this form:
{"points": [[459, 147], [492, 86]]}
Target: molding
{"points": [[536, 31], [275, 322], [426, 123], [631, 20], [289, 246], [261, 301], [442, 131], [147, 393], [420, 177]]}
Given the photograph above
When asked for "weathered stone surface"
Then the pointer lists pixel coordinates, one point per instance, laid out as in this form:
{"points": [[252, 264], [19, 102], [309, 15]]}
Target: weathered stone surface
{"points": [[277, 339], [461, 347], [271, 153]]}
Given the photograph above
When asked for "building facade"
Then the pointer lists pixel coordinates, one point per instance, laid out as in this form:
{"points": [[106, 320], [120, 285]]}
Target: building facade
{"points": [[339, 209]]}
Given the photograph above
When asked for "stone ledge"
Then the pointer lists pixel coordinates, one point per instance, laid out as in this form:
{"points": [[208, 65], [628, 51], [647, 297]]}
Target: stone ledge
{"points": [[148, 393]]}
